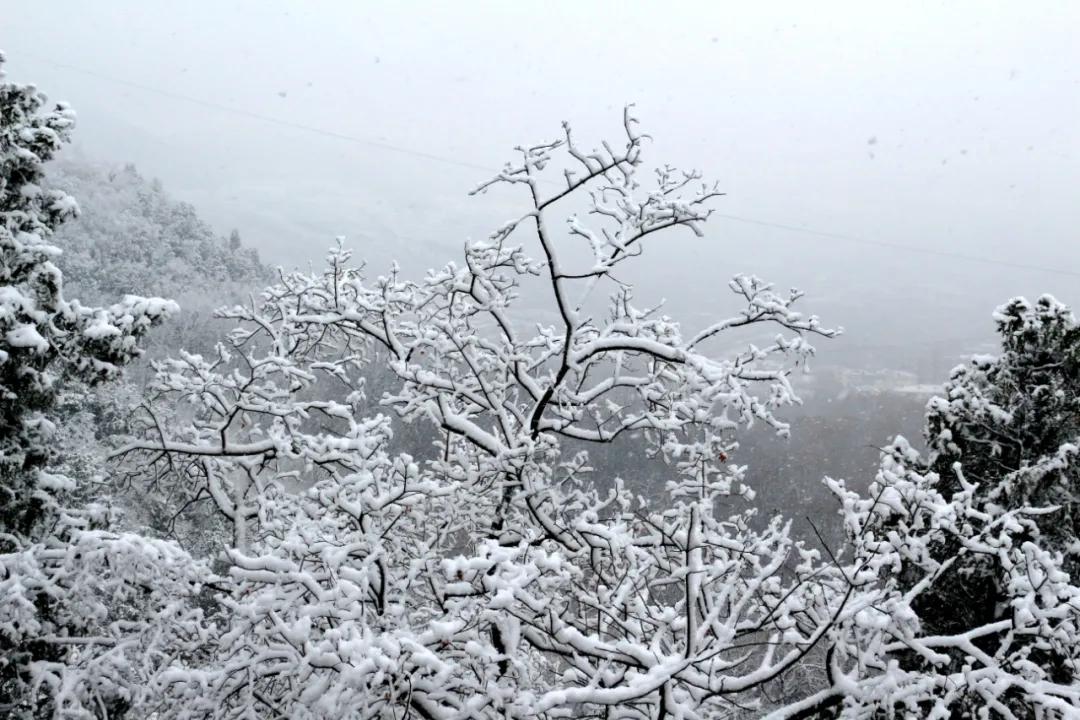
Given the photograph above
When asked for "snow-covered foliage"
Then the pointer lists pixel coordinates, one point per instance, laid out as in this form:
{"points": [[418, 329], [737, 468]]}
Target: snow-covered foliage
{"points": [[965, 561], [89, 617], [495, 580], [85, 613]]}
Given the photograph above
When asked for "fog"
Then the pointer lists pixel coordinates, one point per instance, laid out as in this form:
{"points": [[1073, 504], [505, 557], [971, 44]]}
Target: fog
{"points": [[909, 167]]}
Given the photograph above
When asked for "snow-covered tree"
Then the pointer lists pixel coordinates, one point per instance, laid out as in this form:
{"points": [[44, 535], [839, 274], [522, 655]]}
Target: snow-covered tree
{"points": [[965, 561], [84, 612], [1013, 421], [504, 577]]}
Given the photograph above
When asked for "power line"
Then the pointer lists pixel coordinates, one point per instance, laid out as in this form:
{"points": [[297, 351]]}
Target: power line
{"points": [[472, 166], [265, 118], [898, 246]]}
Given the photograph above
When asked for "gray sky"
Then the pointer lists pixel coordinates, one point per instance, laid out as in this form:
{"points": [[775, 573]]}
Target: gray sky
{"points": [[946, 126]]}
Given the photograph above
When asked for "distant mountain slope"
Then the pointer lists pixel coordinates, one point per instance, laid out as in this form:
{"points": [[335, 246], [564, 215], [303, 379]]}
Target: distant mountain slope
{"points": [[131, 237]]}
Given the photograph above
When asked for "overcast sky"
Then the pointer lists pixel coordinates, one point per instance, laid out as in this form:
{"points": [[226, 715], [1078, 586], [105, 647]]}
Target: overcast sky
{"points": [[952, 127]]}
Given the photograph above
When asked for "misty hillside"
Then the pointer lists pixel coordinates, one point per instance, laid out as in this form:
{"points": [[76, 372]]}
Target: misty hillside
{"points": [[132, 237]]}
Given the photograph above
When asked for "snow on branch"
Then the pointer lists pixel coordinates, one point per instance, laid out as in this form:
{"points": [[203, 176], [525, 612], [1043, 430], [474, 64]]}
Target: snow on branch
{"points": [[502, 576]]}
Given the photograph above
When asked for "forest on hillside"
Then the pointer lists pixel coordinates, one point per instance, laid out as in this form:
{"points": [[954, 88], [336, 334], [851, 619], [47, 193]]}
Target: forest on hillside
{"points": [[229, 491]]}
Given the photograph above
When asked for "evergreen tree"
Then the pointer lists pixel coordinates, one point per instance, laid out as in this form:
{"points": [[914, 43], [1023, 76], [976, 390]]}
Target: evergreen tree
{"points": [[1011, 426], [973, 549], [43, 336], [76, 601]]}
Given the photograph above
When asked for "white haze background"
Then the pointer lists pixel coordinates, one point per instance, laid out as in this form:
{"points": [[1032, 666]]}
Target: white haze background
{"points": [[952, 127]]}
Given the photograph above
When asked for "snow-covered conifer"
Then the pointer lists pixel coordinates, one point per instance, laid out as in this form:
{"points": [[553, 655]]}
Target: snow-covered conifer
{"points": [[966, 560], [85, 613]]}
